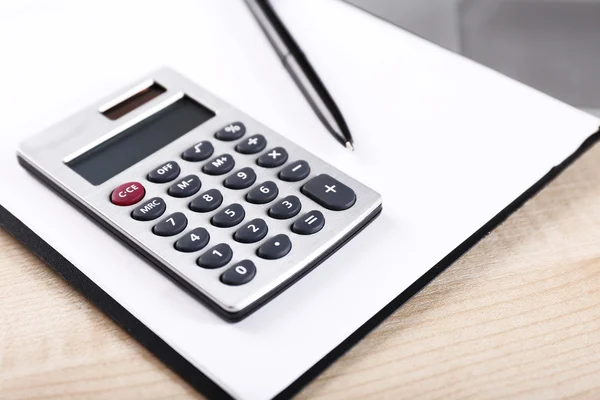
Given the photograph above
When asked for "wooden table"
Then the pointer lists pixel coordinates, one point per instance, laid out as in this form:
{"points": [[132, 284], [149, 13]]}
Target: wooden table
{"points": [[517, 317]]}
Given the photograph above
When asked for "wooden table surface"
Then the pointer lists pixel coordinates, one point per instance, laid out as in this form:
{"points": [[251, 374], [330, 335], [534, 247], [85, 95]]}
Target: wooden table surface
{"points": [[518, 316]]}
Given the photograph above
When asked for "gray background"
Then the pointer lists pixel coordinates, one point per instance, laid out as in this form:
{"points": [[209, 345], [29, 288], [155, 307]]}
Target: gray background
{"points": [[551, 45]]}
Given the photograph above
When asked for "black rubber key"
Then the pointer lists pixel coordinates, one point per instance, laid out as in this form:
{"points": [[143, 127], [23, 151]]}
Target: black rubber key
{"points": [[219, 165], [242, 179], [295, 172], [275, 248], [329, 192], [151, 209], [229, 216], [239, 274], [164, 173], [252, 144], [286, 208], [192, 241], [252, 231], [185, 187], [199, 152], [207, 201], [309, 223], [172, 225], [263, 193], [273, 158], [233, 131], [216, 257]]}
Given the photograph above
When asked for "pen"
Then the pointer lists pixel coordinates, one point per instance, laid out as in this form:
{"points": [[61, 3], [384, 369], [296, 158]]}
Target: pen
{"points": [[301, 71]]}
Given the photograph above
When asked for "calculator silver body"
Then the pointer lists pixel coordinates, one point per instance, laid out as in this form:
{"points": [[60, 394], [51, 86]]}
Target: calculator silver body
{"points": [[46, 153]]}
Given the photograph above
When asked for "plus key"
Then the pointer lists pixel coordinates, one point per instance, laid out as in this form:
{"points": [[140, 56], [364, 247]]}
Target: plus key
{"points": [[329, 192]]}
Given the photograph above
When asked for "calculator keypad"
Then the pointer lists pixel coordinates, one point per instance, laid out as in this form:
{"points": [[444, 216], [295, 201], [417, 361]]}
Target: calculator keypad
{"points": [[233, 212]]}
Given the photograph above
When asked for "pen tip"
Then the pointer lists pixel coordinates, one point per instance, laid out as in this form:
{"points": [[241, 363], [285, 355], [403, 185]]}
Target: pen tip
{"points": [[349, 146]]}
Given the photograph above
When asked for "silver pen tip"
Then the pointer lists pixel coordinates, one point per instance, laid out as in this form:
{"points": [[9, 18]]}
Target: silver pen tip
{"points": [[349, 146]]}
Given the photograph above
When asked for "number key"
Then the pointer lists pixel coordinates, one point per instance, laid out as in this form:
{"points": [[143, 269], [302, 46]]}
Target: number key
{"points": [[192, 241], [242, 179], [289, 207], [263, 193], [229, 216], [215, 257], [252, 232], [207, 201], [239, 274], [172, 225]]}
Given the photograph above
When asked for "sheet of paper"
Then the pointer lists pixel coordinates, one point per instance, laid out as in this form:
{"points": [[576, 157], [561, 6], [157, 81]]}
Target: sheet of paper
{"points": [[448, 144]]}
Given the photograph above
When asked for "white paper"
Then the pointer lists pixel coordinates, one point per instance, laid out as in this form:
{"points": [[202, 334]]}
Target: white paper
{"points": [[448, 144]]}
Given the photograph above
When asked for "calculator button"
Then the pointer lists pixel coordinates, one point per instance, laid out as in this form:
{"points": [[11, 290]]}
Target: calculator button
{"points": [[151, 209], [185, 187], [215, 257], [199, 152], [233, 131], [164, 173], [239, 274], [252, 144], [170, 226], [329, 192], [219, 165], [295, 172], [252, 231], [229, 216], [273, 158], [263, 193], [242, 179], [207, 201], [192, 241], [127, 194], [276, 247], [286, 208], [309, 223]]}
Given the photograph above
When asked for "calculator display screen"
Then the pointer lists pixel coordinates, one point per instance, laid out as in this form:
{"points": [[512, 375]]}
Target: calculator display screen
{"points": [[140, 140]]}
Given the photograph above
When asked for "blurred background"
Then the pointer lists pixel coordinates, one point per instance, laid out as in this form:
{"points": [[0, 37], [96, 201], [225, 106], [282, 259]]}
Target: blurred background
{"points": [[551, 45]]}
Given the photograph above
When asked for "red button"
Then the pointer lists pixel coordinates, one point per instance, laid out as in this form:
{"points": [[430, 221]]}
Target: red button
{"points": [[128, 193]]}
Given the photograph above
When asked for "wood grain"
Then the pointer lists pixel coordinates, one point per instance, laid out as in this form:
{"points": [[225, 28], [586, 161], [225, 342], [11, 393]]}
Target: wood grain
{"points": [[517, 317]]}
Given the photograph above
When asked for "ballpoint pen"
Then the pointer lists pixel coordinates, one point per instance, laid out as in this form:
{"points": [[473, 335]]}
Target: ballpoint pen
{"points": [[301, 71]]}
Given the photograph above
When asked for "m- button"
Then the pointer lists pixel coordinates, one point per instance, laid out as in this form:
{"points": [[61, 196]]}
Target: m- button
{"points": [[329, 192], [127, 194]]}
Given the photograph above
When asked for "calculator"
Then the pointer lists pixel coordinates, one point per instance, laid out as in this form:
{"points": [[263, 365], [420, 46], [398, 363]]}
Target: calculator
{"points": [[232, 211]]}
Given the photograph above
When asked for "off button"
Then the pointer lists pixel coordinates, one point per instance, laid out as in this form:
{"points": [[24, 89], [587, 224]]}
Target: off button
{"points": [[127, 194]]}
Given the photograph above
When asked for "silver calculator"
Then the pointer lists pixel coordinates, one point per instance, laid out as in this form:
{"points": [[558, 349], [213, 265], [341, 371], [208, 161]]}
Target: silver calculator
{"points": [[231, 210]]}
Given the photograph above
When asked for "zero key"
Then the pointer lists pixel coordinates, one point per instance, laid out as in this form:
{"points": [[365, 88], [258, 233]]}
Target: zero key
{"points": [[329, 193]]}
